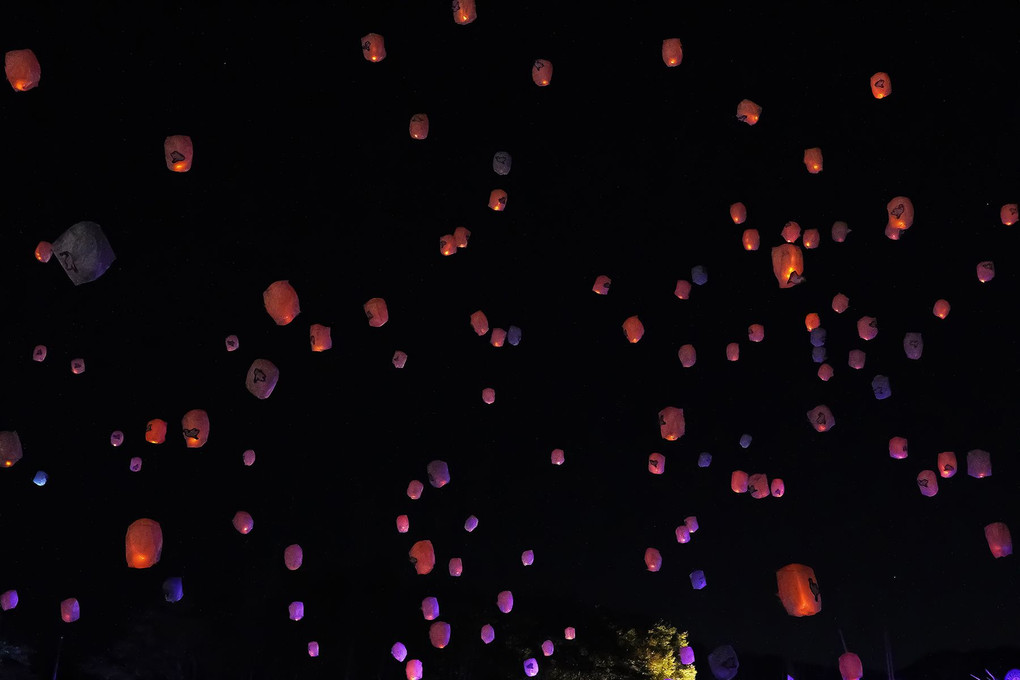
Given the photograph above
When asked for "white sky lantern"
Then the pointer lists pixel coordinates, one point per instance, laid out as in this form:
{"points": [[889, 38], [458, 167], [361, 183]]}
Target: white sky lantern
{"points": [[738, 481], [557, 457], [8, 600], [501, 162], [261, 378], [470, 524], [414, 489], [377, 312], [439, 634], [39, 353], [928, 483], [293, 557], [488, 634], [70, 610], [281, 302], [821, 418], [548, 648], [758, 485], [399, 651], [979, 463], [456, 566], [913, 345], [413, 670], [569, 633], [985, 271], [531, 667], [777, 488], [505, 601], [439, 473], [243, 522], [528, 558], [656, 463], [840, 231], [653, 559], [898, 448], [430, 608], [178, 151], [947, 464], [422, 556], [296, 611], [403, 524]]}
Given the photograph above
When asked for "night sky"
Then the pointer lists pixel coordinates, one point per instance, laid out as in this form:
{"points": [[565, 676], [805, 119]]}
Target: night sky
{"points": [[304, 170]]}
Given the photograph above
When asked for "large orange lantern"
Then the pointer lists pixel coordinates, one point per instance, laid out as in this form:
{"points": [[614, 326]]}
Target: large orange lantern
{"points": [[497, 200], [541, 72], [195, 426], [671, 423], [464, 11], [901, 213], [748, 112], [751, 239], [738, 212], [377, 313], [373, 47], [422, 556], [798, 590], [178, 151], [672, 51], [813, 160], [788, 265], [881, 86], [633, 329], [1008, 214], [155, 431], [143, 543], [22, 69], [281, 301]]}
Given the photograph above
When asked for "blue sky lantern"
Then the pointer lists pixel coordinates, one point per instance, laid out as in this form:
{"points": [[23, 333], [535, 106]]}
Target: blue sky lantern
{"points": [[723, 662], [439, 473], [513, 335], [8, 600], [83, 252], [501, 161], [704, 459], [699, 275], [422, 556], [470, 524], [881, 387], [818, 336], [40, 478], [70, 610], [819, 355], [488, 634], [745, 440], [531, 667], [173, 589], [947, 464], [698, 581]]}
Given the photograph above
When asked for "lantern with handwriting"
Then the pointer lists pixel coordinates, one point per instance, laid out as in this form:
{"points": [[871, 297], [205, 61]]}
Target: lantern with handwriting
{"points": [[798, 590], [541, 72], [373, 47], [881, 86], [195, 426], [178, 152], [748, 112]]}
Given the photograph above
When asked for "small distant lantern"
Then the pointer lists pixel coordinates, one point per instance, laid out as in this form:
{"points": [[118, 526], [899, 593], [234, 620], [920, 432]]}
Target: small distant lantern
{"points": [[44, 251], [377, 313], [541, 72], [698, 581], [798, 590], [155, 431], [557, 457], [461, 236], [733, 351], [528, 558], [821, 418], [261, 378], [293, 557], [513, 335], [985, 271], [488, 395], [777, 488], [683, 289], [867, 327], [840, 303], [941, 309], [22, 69], [505, 601], [320, 337], [497, 200], [423, 557], [231, 343], [569, 633], [281, 302], [399, 359], [840, 231], [488, 634], [672, 52], [501, 162], [913, 345], [1007, 213], [999, 540], [818, 337], [699, 275], [812, 321], [881, 387], [653, 559], [8, 600], [296, 611], [195, 426], [447, 246], [135, 464], [116, 438], [979, 463], [825, 372], [656, 463], [688, 355], [881, 86], [788, 265], [178, 152], [40, 478], [601, 285], [248, 457], [470, 524], [419, 127], [243, 522], [748, 112], [414, 489], [39, 353], [373, 47], [745, 440], [947, 464], [633, 329], [855, 358], [398, 651], [758, 485], [70, 610], [479, 323], [704, 459], [671, 423], [901, 213], [691, 523], [77, 366], [403, 524], [456, 566], [439, 473], [756, 332], [464, 11], [898, 448], [738, 212], [439, 634], [750, 239], [813, 160], [928, 483]]}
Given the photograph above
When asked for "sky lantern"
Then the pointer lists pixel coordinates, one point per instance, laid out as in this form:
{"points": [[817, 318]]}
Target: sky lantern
{"points": [[541, 72], [261, 378], [548, 648], [821, 418], [748, 112], [818, 336], [398, 651], [999, 540], [439, 473], [691, 522], [195, 426], [178, 152], [155, 431], [813, 160], [231, 342], [70, 610], [320, 337], [488, 634], [901, 213], [419, 127], [135, 464], [498, 337], [497, 200], [8, 600], [850, 667], [399, 359], [840, 303], [22, 69], [671, 423], [913, 345], [855, 358], [373, 46], [414, 489], [293, 557], [528, 558], [557, 457], [750, 239], [464, 11], [461, 236], [422, 556], [531, 667], [682, 533], [470, 524], [738, 481], [480, 323], [377, 313], [881, 387], [825, 372], [143, 543], [723, 663], [84, 252], [656, 463], [447, 246], [296, 610], [738, 212], [40, 478], [798, 590], [788, 265], [243, 522], [456, 566], [699, 275], [501, 162], [686, 655], [840, 231], [1007, 214], [947, 464], [77, 366], [44, 251], [683, 289], [403, 524], [688, 355], [672, 52], [811, 238], [488, 395], [881, 86], [601, 285], [505, 601], [513, 335], [898, 447], [979, 463], [173, 589], [569, 633], [439, 634], [985, 271], [758, 485], [733, 351], [633, 329], [756, 332], [777, 488], [313, 648], [116, 438], [413, 670], [927, 483], [867, 327], [941, 309], [10, 448], [281, 301], [39, 353], [812, 321]]}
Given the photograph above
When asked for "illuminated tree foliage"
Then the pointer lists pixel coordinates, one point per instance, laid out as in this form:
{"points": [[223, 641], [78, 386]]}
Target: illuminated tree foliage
{"points": [[655, 655]]}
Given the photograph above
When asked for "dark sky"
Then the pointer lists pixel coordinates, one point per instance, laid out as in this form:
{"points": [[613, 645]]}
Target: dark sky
{"points": [[304, 171]]}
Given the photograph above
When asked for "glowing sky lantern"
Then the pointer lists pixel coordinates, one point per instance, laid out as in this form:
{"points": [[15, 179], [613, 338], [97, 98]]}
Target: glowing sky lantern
{"points": [[10, 448], [699, 275], [430, 608], [738, 481], [419, 126], [501, 162], [505, 601], [1007, 215], [777, 488], [758, 485], [84, 252], [8, 600], [479, 322], [231, 342], [178, 151], [979, 463], [77, 366], [672, 52], [850, 667], [143, 543], [656, 463], [39, 353], [947, 464], [40, 478], [293, 557], [821, 418], [135, 464], [633, 329], [985, 271], [488, 634], [738, 212], [320, 337], [248, 457], [812, 321], [447, 246], [403, 524], [840, 231], [22, 69], [261, 378], [999, 540], [470, 524], [44, 251], [733, 351], [373, 47], [464, 11], [881, 85], [296, 610], [818, 336], [825, 372], [547, 648], [723, 662], [313, 648], [691, 522], [867, 327], [488, 395], [413, 670], [788, 265], [686, 655], [671, 423], [748, 112], [399, 359], [913, 345], [461, 236], [941, 309], [756, 332], [745, 440], [377, 312], [682, 533], [195, 427], [688, 355], [811, 238], [456, 566], [856, 358], [840, 303], [243, 522], [569, 633], [531, 667], [927, 483], [541, 72], [173, 589], [399, 651], [881, 387], [70, 610], [414, 489], [155, 431], [439, 634], [798, 590], [898, 448], [813, 160], [698, 581], [528, 558], [750, 239], [281, 302], [601, 285], [422, 556], [439, 473], [901, 213], [557, 457], [513, 335], [497, 200], [116, 438]]}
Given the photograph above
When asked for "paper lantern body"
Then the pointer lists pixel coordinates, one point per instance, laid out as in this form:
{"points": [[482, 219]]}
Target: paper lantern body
{"points": [[751, 239], [999, 540], [248, 457], [414, 489], [313, 648], [40, 478], [231, 343], [723, 662], [464, 11], [531, 667], [683, 534], [704, 459], [528, 558], [320, 337], [155, 431], [840, 303], [653, 559], [423, 557], [505, 601], [671, 423], [557, 457], [633, 329], [77, 366], [913, 345], [941, 309], [480, 323], [293, 557], [881, 86], [855, 359], [733, 352], [881, 387], [901, 213], [798, 590], [403, 524], [44, 251], [419, 126], [850, 667], [788, 265], [758, 485], [548, 648], [825, 372], [84, 252], [399, 651], [867, 327], [927, 483], [243, 522], [377, 313], [756, 332], [39, 353], [947, 464], [10, 448], [178, 151], [777, 488], [22, 69], [439, 473], [70, 610], [569, 633], [497, 200], [501, 162], [813, 160], [173, 589], [985, 271], [738, 481], [262, 378], [373, 47], [296, 611], [840, 231], [281, 302], [683, 289], [979, 463], [748, 112], [488, 634], [8, 600], [461, 236], [672, 52], [413, 670], [399, 359], [513, 335], [541, 72], [898, 448], [601, 285], [143, 543], [135, 464], [1008, 215], [470, 524], [456, 566], [195, 427], [811, 238], [686, 655], [439, 634], [688, 355], [738, 212], [699, 275], [691, 523], [821, 418]]}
